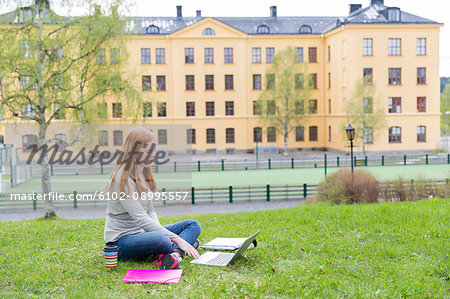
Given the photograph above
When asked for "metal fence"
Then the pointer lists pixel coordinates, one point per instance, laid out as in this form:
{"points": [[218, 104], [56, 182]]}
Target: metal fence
{"points": [[31, 171], [193, 196]]}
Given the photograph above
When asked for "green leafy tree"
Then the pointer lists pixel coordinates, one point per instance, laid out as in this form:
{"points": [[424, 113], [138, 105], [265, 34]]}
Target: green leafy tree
{"points": [[281, 105], [57, 67], [445, 106], [365, 113]]}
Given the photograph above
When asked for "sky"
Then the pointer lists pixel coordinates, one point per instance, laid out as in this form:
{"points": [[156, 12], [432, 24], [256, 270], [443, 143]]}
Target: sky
{"points": [[436, 10]]}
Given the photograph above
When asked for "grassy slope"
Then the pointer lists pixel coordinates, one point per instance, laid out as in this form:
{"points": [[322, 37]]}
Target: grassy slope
{"points": [[386, 250]]}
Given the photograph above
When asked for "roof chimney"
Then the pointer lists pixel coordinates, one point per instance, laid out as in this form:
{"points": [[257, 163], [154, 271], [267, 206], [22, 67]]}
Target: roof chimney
{"points": [[199, 13], [273, 11], [179, 15], [372, 2], [355, 7]]}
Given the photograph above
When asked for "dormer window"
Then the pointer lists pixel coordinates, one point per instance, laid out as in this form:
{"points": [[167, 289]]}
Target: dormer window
{"points": [[263, 29], [208, 31], [305, 29], [152, 29], [393, 14]]}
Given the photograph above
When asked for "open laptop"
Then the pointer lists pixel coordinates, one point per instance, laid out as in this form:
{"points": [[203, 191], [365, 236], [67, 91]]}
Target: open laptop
{"points": [[221, 258]]}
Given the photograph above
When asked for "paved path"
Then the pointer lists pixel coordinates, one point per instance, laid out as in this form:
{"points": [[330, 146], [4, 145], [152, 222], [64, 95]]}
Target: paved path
{"points": [[201, 208]]}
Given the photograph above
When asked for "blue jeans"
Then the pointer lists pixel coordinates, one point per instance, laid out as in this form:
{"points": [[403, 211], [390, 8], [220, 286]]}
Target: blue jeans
{"points": [[140, 246]]}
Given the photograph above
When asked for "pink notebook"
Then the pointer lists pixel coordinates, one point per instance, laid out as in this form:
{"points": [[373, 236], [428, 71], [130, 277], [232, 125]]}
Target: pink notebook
{"points": [[153, 275]]}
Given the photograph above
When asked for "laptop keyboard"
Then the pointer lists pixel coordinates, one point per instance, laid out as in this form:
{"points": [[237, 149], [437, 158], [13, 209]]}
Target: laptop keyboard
{"points": [[220, 259]]}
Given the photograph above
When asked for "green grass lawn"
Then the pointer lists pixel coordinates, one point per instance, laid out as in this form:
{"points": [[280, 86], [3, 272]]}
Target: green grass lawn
{"points": [[88, 183], [318, 250]]}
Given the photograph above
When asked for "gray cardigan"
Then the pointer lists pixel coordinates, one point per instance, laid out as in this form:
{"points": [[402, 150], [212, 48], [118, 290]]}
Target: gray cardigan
{"points": [[128, 215]]}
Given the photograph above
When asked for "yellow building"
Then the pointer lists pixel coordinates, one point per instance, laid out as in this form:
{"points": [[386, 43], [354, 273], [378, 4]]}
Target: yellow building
{"points": [[209, 70]]}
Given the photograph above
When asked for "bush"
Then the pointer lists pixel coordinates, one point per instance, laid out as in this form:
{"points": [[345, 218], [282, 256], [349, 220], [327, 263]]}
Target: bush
{"points": [[341, 188]]}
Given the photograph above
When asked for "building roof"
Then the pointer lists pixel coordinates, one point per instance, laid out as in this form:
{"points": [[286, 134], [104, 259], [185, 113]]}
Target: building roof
{"points": [[376, 13]]}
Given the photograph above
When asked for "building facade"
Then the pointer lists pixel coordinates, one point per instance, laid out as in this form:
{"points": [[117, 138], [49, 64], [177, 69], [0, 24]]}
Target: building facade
{"points": [[208, 71]]}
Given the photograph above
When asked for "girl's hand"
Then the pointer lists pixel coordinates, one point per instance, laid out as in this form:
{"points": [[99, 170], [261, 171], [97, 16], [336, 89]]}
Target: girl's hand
{"points": [[186, 247]]}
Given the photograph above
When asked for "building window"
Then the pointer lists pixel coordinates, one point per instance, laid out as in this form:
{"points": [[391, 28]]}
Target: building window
{"points": [[28, 140], [298, 54], [146, 83], [395, 135], [117, 110], [367, 47], [209, 55], [312, 54], [299, 133], [299, 107], [103, 138], [312, 107], [313, 133], [368, 135], [305, 29], [152, 29], [2, 139], [271, 136], [257, 82], [395, 76], [421, 134], [329, 106], [210, 109], [161, 83], [59, 111], [101, 57], [421, 48], [145, 56], [393, 14], [329, 80], [421, 75], [208, 31], [160, 56], [299, 81], [162, 109], [394, 46], [188, 55], [256, 55], [270, 81], [147, 109], [25, 82], [61, 138], [421, 104], [368, 76], [115, 56], [395, 105], [256, 108], [269, 54], [270, 107], [209, 82], [368, 105], [190, 134], [257, 134], [229, 82], [190, 82], [190, 108], [314, 81], [228, 55], [102, 110], [162, 136], [329, 133], [263, 29], [210, 136], [25, 47], [329, 53], [229, 108], [229, 135], [28, 110], [117, 136]]}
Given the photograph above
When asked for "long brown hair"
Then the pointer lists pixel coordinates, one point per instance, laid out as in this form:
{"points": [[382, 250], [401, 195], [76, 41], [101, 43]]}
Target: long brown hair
{"points": [[138, 136]]}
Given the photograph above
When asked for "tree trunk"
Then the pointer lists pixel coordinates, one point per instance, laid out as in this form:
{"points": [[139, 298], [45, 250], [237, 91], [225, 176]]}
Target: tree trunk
{"points": [[285, 153], [45, 180]]}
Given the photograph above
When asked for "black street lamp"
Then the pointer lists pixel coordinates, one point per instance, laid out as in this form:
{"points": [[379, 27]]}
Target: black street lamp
{"points": [[351, 136]]}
